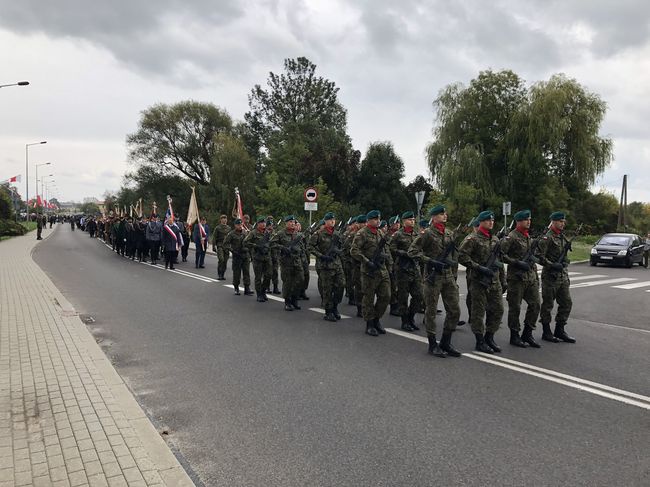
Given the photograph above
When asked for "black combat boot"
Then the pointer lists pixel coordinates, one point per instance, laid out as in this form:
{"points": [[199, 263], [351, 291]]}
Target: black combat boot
{"points": [[337, 315], [412, 321], [406, 324], [561, 334], [294, 302], [237, 293], [370, 329], [329, 316], [547, 334], [359, 313], [446, 346], [516, 340], [489, 340], [265, 298], [288, 305], [303, 296], [527, 337], [481, 346], [247, 291], [351, 301], [260, 298], [276, 290], [461, 323], [434, 348], [380, 329], [394, 309]]}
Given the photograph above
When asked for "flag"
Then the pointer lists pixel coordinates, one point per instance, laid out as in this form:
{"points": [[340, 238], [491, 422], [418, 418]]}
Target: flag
{"points": [[170, 211], [15, 179], [193, 210], [239, 212]]}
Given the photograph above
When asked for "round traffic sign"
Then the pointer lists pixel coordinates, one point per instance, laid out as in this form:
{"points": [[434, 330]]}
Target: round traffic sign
{"points": [[311, 194]]}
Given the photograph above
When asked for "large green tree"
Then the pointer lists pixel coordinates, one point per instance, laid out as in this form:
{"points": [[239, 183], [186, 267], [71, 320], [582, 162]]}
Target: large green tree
{"points": [[300, 128], [179, 138]]}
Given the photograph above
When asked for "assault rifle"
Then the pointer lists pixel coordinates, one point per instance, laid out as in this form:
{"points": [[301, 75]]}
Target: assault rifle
{"points": [[493, 263], [262, 248], [377, 257], [567, 246], [334, 249], [441, 262], [288, 249]]}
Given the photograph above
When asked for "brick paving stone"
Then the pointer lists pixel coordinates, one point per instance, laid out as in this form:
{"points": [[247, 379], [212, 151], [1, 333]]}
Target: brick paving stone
{"points": [[118, 481]]}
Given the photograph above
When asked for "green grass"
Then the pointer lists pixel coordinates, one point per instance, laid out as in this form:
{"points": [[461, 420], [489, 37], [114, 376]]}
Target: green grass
{"points": [[581, 251], [29, 225]]}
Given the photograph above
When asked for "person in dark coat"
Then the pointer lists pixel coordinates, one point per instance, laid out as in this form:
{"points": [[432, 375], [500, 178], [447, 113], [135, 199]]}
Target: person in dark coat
{"points": [[153, 233], [172, 241], [200, 236]]}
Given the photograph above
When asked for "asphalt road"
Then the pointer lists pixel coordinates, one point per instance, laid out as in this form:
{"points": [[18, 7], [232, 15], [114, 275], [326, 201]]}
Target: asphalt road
{"points": [[253, 395]]}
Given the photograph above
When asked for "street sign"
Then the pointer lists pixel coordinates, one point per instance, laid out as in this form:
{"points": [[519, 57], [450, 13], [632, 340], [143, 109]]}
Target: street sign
{"points": [[311, 194], [507, 207], [311, 206]]}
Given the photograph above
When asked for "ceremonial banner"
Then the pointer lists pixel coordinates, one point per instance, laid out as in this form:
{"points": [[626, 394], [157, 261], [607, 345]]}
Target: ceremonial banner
{"points": [[193, 210]]}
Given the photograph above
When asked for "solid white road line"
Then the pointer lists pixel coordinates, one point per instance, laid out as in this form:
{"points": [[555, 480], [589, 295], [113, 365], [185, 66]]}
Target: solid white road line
{"points": [[584, 278], [180, 273], [603, 282], [574, 273], [322, 311], [210, 279], [634, 285], [602, 390]]}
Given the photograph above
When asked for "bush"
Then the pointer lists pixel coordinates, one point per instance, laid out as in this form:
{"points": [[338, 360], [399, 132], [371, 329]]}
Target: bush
{"points": [[9, 228]]}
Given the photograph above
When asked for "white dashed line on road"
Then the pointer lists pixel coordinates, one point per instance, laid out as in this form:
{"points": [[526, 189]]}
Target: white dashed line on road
{"points": [[603, 282], [634, 285]]}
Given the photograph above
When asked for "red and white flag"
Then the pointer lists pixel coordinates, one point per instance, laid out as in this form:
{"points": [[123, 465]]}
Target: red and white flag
{"points": [[15, 179]]}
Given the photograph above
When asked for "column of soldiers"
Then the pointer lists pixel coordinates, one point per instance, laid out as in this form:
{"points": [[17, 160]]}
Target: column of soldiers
{"points": [[378, 263]]}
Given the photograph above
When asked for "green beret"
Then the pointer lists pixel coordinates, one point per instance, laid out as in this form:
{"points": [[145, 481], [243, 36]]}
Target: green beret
{"points": [[436, 210], [261, 219], [237, 221], [353, 219], [485, 215], [362, 219], [373, 214], [557, 215], [382, 224], [522, 215], [407, 214], [392, 220], [329, 216], [321, 222], [424, 223], [288, 218]]}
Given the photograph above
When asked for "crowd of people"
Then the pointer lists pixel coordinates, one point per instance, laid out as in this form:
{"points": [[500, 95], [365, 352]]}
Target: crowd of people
{"points": [[378, 265]]}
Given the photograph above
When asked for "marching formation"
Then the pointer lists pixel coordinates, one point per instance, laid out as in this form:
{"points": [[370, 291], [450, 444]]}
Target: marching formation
{"points": [[378, 264]]}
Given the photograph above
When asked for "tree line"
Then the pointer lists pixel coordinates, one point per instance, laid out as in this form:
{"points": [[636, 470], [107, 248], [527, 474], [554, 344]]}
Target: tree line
{"points": [[494, 140]]}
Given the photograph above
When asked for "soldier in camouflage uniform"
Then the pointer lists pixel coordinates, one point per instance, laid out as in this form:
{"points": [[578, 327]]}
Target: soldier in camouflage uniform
{"points": [[393, 227], [347, 260], [485, 282], [289, 243], [275, 259], [234, 243], [304, 243], [325, 245], [356, 270], [369, 249], [435, 247], [555, 281], [518, 250], [408, 278], [258, 245], [220, 232]]}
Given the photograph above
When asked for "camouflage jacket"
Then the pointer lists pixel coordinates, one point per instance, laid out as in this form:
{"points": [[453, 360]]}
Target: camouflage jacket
{"points": [[363, 249], [220, 232], [431, 244], [400, 243], [258, 245], [234, 243], [290, 248], [551, 246], [475, 251], [320, 244], [515, 247]]}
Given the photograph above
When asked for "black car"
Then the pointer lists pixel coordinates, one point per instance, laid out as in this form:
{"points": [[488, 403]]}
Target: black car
{"points": [[618, 248]]}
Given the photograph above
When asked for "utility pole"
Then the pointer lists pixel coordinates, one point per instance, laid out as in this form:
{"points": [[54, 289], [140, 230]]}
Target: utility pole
{"points": [[622, 210]]}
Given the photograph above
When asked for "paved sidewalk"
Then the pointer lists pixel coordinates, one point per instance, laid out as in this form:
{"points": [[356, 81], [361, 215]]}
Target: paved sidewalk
{"points": [[66, 417]]}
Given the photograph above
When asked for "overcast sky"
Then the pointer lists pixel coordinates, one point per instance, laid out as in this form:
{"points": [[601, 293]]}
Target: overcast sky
{"points": [[93, 66]]}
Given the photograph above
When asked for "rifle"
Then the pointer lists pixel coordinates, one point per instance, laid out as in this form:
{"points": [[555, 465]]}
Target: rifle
{"points": [[379, 253], [288, 249], [493, 262], [334, 249], [567, 246], [441, 262], [262, 248]]}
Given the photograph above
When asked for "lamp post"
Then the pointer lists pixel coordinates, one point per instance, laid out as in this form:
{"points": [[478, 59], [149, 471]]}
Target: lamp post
{"points": [[37, 165], [27, 146], [20, 83], [45, 185]]}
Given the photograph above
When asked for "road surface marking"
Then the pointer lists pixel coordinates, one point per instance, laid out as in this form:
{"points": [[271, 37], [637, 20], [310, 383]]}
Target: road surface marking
{"points": [[322, 311], [210, 279], [617, 326], [600, 283], [574, 273], [602, 390], [584, 278], [634, 285]]}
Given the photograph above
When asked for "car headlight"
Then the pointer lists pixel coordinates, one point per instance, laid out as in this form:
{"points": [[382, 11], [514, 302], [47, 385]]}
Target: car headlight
{"points": [[622, 253], [594, 251]]}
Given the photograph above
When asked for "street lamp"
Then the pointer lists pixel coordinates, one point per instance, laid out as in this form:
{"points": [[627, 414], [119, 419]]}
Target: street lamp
{"points": [[45, 181], [20, 83], [27, 146], [37, 165]]}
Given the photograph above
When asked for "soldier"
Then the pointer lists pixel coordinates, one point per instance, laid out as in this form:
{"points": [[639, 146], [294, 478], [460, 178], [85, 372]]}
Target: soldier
{"points": [[555, 281], [485, 283], [356, 270], [325, 245], [275, 259], [408, 279], [39, 227], [304, 242], [518, 250], [257, 243], [347, 260], [435, 248], [220, 231], [392, 227], [368, 248], [234, 243], [468, 298], [288, 242]]}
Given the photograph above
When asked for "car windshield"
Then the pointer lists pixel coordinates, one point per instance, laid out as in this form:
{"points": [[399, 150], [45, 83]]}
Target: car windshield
{"points": [[614, 240]]}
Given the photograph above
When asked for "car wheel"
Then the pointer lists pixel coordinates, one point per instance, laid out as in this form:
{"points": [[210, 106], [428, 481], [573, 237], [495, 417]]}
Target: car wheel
{"points": [[592, 263], [628, 262]]}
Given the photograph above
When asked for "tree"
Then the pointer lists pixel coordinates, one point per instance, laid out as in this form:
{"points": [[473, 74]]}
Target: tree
{"points": [[179, 138], [379, 180], [299, 128], [153, 186], [89, 208], [6, 203]]}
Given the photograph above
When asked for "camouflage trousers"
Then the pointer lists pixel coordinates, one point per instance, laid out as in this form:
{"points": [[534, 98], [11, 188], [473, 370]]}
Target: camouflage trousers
{"points": [[292, 281], [356, 283], [305, 276], [409, 283], [275, 264], [488, 303], [222, 260], [394, 286], [555, 289], [447, 288], [518, 291], [331, 283], [240, 267], [376, 285], [263, 271]]}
